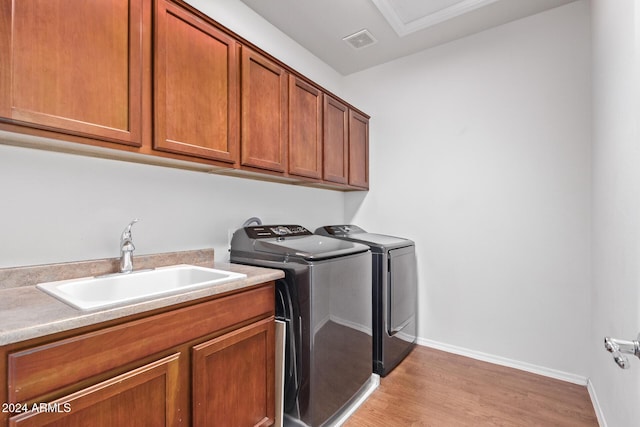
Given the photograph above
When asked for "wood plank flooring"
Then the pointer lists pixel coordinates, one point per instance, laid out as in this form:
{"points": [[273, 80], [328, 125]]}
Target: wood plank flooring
{"points": [[435, 388]]}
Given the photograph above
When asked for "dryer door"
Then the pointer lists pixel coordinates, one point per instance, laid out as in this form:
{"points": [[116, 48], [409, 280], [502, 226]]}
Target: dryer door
{"points": [[402, 290]]}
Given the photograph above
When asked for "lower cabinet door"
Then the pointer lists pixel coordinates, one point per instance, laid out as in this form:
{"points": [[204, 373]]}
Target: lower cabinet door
{"points": [[146, 396], [233, 378]]}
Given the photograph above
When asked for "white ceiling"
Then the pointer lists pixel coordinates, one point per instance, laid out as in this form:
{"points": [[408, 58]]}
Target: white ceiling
{"points": [[400, 27]]}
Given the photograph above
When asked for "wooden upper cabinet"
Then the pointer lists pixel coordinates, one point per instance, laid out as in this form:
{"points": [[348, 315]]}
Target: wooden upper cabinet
{"points": [[336, 141], [305, 129], [264, 113], [196, 86], [159, 77], [358, 150], [75, 66]]}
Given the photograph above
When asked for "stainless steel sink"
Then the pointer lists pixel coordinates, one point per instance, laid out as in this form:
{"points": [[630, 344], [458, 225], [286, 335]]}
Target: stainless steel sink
{"points": [[104, 291]]}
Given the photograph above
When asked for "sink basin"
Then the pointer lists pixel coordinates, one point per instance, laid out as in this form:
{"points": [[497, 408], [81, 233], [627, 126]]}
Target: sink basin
{"points": [[104, 291]]}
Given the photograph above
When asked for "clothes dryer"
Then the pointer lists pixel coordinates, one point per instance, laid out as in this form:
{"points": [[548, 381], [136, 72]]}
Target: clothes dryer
{"points": [[394, 293]]}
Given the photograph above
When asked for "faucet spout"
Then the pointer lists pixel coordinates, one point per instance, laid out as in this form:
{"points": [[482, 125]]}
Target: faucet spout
{"points": [[126, 249]]}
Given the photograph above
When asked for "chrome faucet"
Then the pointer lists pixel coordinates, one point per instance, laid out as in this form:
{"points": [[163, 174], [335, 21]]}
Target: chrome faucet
{"points": [[619, 347], [126, 249]]}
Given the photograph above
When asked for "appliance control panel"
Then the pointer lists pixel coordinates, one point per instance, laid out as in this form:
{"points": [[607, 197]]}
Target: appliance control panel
{"points": [[271, 231], [343, 230]]}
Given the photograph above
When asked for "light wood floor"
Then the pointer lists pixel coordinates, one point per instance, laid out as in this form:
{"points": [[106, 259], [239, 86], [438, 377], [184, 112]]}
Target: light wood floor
{"points": [[434, 388]]}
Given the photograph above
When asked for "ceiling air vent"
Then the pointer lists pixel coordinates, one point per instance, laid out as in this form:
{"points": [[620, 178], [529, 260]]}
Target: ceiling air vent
{"points": [[361, 39]]}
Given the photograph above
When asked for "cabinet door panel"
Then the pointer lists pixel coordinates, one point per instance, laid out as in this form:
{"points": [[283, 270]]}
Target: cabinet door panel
{"points": [[305, 129], [336, 141], [358, 150], [230, 384], [146, 396], [75, 66], [264, 113], [128, 342], [196, 86]]}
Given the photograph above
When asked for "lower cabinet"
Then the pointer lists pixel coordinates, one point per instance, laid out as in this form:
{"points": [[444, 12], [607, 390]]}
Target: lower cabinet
{"points": [[146, 396], [231, 385], [207, 364]]}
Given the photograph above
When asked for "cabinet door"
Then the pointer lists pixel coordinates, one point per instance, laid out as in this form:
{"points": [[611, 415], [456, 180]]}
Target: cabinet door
{"points": [[264, 113], [305, 129], [358, 150], [147, 396], [196, 86], [233, 378], [336, 141], [74, 66]]}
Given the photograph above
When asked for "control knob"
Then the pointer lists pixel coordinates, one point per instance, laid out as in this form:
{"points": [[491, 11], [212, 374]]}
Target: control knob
{"points": [[281, 231]]}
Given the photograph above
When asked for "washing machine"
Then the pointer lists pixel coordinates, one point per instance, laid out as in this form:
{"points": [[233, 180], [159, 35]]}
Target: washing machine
{"points": [[394, 292], [325, 301]]}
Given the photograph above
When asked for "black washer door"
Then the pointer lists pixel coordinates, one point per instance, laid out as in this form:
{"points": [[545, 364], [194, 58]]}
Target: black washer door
{"points": [[402, 291]]}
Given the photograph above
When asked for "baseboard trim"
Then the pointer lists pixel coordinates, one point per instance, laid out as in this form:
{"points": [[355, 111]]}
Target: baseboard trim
{"points": [[503, 361], [602, 422]]}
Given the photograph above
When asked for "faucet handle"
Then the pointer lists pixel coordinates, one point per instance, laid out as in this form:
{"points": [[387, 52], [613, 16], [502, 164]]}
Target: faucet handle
{"points": [[618, 348], [127, 230], [612, 346]]}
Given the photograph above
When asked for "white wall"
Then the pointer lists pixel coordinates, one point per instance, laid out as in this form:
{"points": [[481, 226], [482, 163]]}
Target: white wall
{"points": [[58, 207], [616, 204], [480, 152]]}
